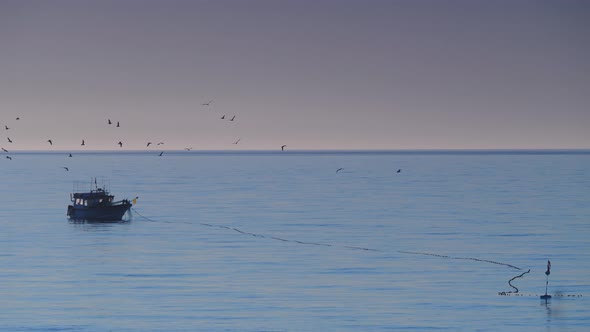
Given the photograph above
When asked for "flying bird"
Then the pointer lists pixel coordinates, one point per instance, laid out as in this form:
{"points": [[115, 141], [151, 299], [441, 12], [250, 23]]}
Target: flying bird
{"points": [[160, 143], [50, 142], [3, 149], [223, 117], [338, 170], [188, 149], [148, 144], [161, 153], [9, 140], [67, 169], [9, 157], [283, 147], [120, 144], [118, 124], [238, 141], [6, 127], [17, 118], [232, 119], [110, 121], [207, 103], [70, 155], [83, 143], [399, 170]]}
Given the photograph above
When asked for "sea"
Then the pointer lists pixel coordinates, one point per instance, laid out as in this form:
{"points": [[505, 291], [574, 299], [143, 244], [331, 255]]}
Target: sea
{"points": [[299, 241]]}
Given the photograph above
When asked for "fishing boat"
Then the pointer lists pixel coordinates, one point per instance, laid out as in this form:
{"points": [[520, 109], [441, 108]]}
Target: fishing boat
{"points": [[97, 204]]}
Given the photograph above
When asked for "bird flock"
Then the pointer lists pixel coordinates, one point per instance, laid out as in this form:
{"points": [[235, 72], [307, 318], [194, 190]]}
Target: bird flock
{"points": [[8, 157], [117, 124], [50, 141]]}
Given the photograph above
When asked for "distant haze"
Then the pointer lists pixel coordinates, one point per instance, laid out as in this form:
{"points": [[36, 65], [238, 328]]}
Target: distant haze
{"points": [[312, 74]]}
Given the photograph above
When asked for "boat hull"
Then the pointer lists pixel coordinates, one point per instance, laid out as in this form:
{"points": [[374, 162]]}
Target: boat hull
{"points": [[99, 213]]}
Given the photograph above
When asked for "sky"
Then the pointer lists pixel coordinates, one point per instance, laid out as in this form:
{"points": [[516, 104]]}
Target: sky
{"points": [[309, 74]]}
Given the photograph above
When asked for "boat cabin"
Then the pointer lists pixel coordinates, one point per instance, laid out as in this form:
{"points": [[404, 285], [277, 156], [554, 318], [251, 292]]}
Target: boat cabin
{"points": [[98, 197]]}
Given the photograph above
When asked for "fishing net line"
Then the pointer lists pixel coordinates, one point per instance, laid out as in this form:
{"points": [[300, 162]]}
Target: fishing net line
{"points": [[274, 238]]}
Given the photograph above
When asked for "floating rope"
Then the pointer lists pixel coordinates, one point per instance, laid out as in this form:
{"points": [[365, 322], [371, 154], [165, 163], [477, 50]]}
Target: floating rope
{"points": [[518, 276], [511, 285], [537, 295], [460, 258], [358, 248], [515, 292], [144, 217]]}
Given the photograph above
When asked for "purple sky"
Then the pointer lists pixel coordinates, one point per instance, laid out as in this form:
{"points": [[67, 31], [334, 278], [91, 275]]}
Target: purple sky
{"points": [[312, 74]]}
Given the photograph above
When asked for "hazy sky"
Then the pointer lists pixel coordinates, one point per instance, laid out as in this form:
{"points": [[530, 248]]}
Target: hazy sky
{"points": [[317, 74]]}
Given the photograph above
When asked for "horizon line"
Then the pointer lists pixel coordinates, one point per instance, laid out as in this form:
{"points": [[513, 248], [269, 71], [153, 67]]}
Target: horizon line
{"points": [[442, 150]]}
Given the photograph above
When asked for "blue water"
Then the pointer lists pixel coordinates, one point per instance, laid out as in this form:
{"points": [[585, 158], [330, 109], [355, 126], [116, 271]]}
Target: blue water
{"points": [[265, 241]]}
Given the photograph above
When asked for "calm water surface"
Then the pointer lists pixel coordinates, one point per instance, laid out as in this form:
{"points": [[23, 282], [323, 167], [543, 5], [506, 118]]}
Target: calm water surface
{"points": [[281, 242]]}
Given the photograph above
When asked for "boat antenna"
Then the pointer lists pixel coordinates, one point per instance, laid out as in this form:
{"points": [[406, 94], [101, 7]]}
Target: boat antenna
{"points": [[547, 273]]}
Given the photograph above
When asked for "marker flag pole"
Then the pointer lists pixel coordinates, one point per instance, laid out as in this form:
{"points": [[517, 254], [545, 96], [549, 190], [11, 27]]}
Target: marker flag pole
{"points": [[547, 273]]}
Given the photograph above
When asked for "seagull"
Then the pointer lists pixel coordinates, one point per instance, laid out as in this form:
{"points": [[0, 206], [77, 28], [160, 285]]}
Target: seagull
{"points": [[161, 153], [207, 103], [9, 157], [238, 141], [223, 117], [3, 149], [232, 119], [9, 140], [82, 143], [399, 170], [118, 124], [120, 144], [6, 127], [110, 121], [50, 142], [283, 147], [67, 169], [148, 144], [338, 170]]}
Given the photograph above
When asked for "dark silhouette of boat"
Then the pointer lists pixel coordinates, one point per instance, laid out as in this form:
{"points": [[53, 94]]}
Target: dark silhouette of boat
{"points": [[97, 204]]}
